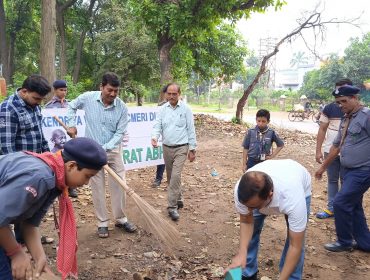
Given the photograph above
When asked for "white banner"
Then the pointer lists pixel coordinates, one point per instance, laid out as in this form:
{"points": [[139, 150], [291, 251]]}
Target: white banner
{"points": [[137, 150]]}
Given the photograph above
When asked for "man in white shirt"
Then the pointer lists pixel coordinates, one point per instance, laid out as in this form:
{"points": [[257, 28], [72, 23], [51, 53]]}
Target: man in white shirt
{"points": [[273, 187]]}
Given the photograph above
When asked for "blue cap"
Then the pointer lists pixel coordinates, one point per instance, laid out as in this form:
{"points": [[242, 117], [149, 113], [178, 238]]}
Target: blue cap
{"points": [[345, 91], [86, 152], [59, 84]]}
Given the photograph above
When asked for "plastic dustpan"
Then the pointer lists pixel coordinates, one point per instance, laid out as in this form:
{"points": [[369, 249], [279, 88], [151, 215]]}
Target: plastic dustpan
{"points": [[234, 274]]}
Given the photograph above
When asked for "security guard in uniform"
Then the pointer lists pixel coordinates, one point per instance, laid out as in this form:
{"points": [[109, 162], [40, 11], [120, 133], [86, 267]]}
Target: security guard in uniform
{"points": [[353, 142]]}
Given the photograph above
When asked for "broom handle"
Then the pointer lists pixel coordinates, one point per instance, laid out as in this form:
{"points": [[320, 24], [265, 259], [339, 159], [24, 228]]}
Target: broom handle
{"points": [[119, 180], [128, 190], [60, 122]]}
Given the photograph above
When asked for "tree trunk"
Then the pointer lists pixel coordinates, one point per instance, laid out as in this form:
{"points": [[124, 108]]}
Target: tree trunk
{"points": [[63, 48], [48, 40], [4, 55], [312, 21], [60, 11], [164, 50], [77, 66]]}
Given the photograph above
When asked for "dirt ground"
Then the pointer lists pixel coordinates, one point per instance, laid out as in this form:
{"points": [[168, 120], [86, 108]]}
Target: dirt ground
{"points": [[208, 224]]}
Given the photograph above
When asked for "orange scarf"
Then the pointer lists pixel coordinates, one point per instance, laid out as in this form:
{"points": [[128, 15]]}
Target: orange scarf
{"points": [[67, 250]]}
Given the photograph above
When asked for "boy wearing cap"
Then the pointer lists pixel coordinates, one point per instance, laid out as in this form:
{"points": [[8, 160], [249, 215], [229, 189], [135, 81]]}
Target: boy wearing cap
{"points": [[59, 98], [25, 196], [352, 142]]}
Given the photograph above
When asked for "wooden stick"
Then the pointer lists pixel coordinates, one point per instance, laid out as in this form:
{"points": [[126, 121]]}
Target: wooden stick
{"points": [[60, 122]]}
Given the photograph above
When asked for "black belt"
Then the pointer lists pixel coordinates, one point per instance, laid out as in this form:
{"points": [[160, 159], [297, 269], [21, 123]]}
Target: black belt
{"points": [[176, 146]]}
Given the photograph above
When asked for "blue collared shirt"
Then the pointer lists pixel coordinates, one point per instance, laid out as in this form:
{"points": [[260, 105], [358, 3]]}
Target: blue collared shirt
{"points": [[20, 127], [105, 125], [176, 124], [55, 102]]}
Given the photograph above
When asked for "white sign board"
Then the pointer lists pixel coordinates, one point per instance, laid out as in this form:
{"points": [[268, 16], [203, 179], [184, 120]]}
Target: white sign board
{"points": [[137, 150]]}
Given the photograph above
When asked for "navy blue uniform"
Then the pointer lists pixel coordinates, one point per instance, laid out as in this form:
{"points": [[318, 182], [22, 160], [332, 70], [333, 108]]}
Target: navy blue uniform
{"points": [[350, 220]]}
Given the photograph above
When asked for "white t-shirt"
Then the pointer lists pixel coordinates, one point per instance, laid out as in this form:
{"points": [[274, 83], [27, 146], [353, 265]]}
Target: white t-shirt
{"points": [[292, 184]]}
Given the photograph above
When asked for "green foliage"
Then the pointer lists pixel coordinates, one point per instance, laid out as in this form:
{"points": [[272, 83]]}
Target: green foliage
{"points": [[357, 59], [76, 89], [355, 65]]}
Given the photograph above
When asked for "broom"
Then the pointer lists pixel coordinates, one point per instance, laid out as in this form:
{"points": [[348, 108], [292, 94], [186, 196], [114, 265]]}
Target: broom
{"points": [[154, 220]]}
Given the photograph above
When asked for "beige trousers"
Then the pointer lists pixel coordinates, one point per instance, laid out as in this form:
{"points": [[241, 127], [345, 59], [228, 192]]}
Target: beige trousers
{"points": [[174, 158], [117, 195]]}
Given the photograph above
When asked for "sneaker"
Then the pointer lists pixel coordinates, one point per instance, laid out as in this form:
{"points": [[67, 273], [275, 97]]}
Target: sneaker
{"points": [[337, 247], [156, 183], [325, 214]]}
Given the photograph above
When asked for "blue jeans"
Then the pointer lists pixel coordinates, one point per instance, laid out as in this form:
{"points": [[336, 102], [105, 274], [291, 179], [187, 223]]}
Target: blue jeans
{"points": [[254, 244], [350, 220], [5, 267], [160, 171], [333, 172]]}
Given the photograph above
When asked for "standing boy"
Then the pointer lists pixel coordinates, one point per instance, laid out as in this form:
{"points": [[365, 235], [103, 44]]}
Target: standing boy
{"points": [[25, 196], [257, 144]]}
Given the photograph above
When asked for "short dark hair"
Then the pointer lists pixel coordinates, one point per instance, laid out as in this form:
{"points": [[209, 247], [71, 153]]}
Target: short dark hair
{"points": [[254, 183], [171, 84], [343, 82], [111, 79], [263, 113], [38, 84], [66, 158]]}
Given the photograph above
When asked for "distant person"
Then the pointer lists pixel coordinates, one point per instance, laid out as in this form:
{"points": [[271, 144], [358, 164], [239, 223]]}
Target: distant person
{"points": [[273, 187], [59, 98], [257, 143], [352, 143], [160, 167], [58, 138], [329, 127], [106, 123], [175, 122]]}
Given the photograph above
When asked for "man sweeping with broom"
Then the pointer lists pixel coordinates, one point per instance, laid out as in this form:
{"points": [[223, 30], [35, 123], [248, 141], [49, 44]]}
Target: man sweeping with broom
{"points": [[30, 183]]}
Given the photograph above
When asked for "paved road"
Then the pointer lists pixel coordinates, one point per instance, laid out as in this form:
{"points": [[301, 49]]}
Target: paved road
{"points": [[278, 119]]}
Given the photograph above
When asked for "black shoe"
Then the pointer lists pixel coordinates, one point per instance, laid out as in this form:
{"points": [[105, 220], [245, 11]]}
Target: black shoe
{"points": [[253, 277], [156, 183], [72, 193], [180, 204], [128, 227], [337, 247], [173, 214]]}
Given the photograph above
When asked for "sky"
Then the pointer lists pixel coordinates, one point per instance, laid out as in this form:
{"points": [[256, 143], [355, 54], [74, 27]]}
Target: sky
{"points": [[277, 24]]}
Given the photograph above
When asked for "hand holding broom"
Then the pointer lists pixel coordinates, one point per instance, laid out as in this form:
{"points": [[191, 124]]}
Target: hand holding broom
{"points": [[155, 222]]}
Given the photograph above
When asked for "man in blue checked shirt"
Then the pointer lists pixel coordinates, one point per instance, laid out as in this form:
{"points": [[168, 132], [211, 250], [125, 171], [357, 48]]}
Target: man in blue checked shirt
{"points": [[175, 122], [20, 118], [106, 122]]}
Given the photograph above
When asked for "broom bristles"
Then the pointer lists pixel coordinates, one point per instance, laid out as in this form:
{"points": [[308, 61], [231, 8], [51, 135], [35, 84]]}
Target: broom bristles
{"points": [[156, 224]]}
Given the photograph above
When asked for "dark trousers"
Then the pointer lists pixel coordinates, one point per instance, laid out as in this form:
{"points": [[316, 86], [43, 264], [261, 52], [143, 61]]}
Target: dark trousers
{"points": [[160, 171], [252, 162], [5, 267], [350, 220]]}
